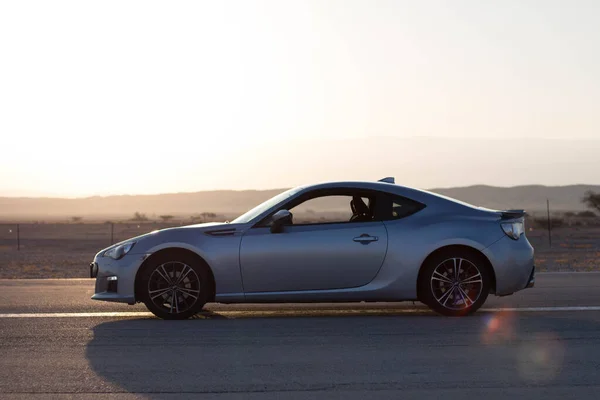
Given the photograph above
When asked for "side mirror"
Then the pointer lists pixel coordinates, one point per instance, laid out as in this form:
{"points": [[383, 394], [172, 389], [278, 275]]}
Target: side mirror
{"points": [[280, 219]]}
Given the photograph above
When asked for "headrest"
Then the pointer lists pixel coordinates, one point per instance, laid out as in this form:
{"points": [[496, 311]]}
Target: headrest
{"points": [[358, 206]]}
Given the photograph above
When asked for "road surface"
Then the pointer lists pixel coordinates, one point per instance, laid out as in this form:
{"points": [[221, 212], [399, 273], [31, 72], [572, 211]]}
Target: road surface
{"points": [[540, 343]]}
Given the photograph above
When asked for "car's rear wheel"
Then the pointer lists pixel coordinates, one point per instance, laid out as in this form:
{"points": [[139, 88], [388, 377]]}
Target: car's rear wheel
{"points": [[174, 286], [455, 283]]}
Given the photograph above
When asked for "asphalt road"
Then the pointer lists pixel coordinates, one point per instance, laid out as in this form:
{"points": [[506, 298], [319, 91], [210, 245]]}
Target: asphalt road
{"points": [[544, 343]]}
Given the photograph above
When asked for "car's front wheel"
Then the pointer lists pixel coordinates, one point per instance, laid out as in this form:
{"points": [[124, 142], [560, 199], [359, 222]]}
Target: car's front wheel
{"points": [[455, 283], [174, 286]]}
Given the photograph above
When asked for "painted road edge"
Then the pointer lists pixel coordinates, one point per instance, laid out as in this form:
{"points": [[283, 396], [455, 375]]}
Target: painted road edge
{"points": [[282, 313]]}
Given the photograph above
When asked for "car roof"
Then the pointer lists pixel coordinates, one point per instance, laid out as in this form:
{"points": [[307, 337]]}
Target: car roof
{"points": [[422, 196]]}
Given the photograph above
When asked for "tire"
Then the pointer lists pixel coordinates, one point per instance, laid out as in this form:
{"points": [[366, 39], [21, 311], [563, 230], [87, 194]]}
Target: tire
{"points": [[446, 294], [174, 285]]}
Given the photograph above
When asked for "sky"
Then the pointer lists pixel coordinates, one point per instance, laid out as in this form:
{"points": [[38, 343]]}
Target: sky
{"points": [[128, 97]]}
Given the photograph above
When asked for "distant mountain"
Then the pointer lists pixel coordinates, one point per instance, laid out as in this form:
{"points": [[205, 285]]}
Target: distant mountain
{"points": [[218, 201], [531, 197], [230, 202]]}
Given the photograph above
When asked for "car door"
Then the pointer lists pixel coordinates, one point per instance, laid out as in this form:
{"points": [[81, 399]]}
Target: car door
{"points": [[312, 256]]}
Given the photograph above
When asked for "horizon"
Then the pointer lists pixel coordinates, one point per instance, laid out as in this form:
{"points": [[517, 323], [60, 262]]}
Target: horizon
{"points": [[573, 157], [286, 188]]}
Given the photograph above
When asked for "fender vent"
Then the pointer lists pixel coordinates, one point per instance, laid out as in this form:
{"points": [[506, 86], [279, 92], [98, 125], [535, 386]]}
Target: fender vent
{"points": [[221, 232]]}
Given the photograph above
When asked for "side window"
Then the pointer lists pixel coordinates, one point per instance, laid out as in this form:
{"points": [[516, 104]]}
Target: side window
{"points": [[403, 207], [333, 209]]}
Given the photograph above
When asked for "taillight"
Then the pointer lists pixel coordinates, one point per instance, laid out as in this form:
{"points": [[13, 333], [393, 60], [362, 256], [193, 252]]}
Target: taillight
{"points": [[513, 229]]}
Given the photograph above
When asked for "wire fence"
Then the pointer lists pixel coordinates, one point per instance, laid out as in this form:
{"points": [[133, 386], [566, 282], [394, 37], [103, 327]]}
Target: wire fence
{"points": [[72, 236], [59, 250]]}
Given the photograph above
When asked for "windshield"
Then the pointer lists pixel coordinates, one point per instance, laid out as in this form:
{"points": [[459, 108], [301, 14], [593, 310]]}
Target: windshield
{"points": [[259, 209]]}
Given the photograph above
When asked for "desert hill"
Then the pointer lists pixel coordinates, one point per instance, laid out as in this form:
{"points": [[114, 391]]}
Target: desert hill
{"points": [[231, 202]]}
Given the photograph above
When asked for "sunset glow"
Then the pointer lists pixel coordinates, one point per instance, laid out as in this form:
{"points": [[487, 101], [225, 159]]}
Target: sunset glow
{"points": [[140, 97]]}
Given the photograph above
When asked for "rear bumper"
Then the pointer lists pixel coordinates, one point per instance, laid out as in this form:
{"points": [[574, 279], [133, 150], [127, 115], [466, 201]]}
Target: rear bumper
{"points": [[513, 264], [531, 282]]}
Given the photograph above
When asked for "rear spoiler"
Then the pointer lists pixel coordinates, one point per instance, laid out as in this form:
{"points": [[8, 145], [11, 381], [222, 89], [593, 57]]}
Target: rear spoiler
{"points": [[512, 214]]}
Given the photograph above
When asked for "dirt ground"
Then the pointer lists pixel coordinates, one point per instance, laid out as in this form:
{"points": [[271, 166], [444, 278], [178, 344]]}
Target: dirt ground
{"points": [[65, 250], [55, 250], [573, 249]]}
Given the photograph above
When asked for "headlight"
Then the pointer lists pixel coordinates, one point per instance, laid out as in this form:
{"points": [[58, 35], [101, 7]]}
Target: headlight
{"points": [[513, 230], [119, 251]]}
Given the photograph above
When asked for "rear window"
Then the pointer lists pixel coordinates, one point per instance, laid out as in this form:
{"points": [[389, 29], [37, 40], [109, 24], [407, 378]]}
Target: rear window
{"points": [[403, 207]]}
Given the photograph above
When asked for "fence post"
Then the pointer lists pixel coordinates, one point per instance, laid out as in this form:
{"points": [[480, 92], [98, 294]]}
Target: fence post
{"points": [[18, 238], [549, 224], [112, 232]]}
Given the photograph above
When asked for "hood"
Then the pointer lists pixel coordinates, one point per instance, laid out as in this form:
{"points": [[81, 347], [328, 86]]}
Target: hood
{"points": [[202, 227], [214, 228]]}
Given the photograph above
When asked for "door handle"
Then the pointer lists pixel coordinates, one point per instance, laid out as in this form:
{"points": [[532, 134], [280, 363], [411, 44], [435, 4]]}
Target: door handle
{"points": [[365, 238]]}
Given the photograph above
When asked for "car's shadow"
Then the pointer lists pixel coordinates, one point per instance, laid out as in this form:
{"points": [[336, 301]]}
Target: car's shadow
{"points": [[273, 356]]}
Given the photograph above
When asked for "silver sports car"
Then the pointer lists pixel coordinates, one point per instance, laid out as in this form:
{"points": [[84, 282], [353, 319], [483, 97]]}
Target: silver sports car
{"points": [[331, 242]]}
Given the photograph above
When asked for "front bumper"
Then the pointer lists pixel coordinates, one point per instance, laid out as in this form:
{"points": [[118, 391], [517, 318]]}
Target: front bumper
{"points": [[115, 279]]}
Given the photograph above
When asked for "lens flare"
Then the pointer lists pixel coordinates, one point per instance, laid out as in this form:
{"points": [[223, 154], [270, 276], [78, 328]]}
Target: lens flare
{"points": [[499, 328], [540, 360]]}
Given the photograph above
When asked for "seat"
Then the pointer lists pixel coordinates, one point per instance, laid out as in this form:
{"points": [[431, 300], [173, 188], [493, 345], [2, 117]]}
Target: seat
{"points": [[360, 211]]}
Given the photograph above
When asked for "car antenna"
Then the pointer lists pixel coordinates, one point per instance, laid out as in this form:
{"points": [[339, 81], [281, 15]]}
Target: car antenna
{"points": [[389, 179]]}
